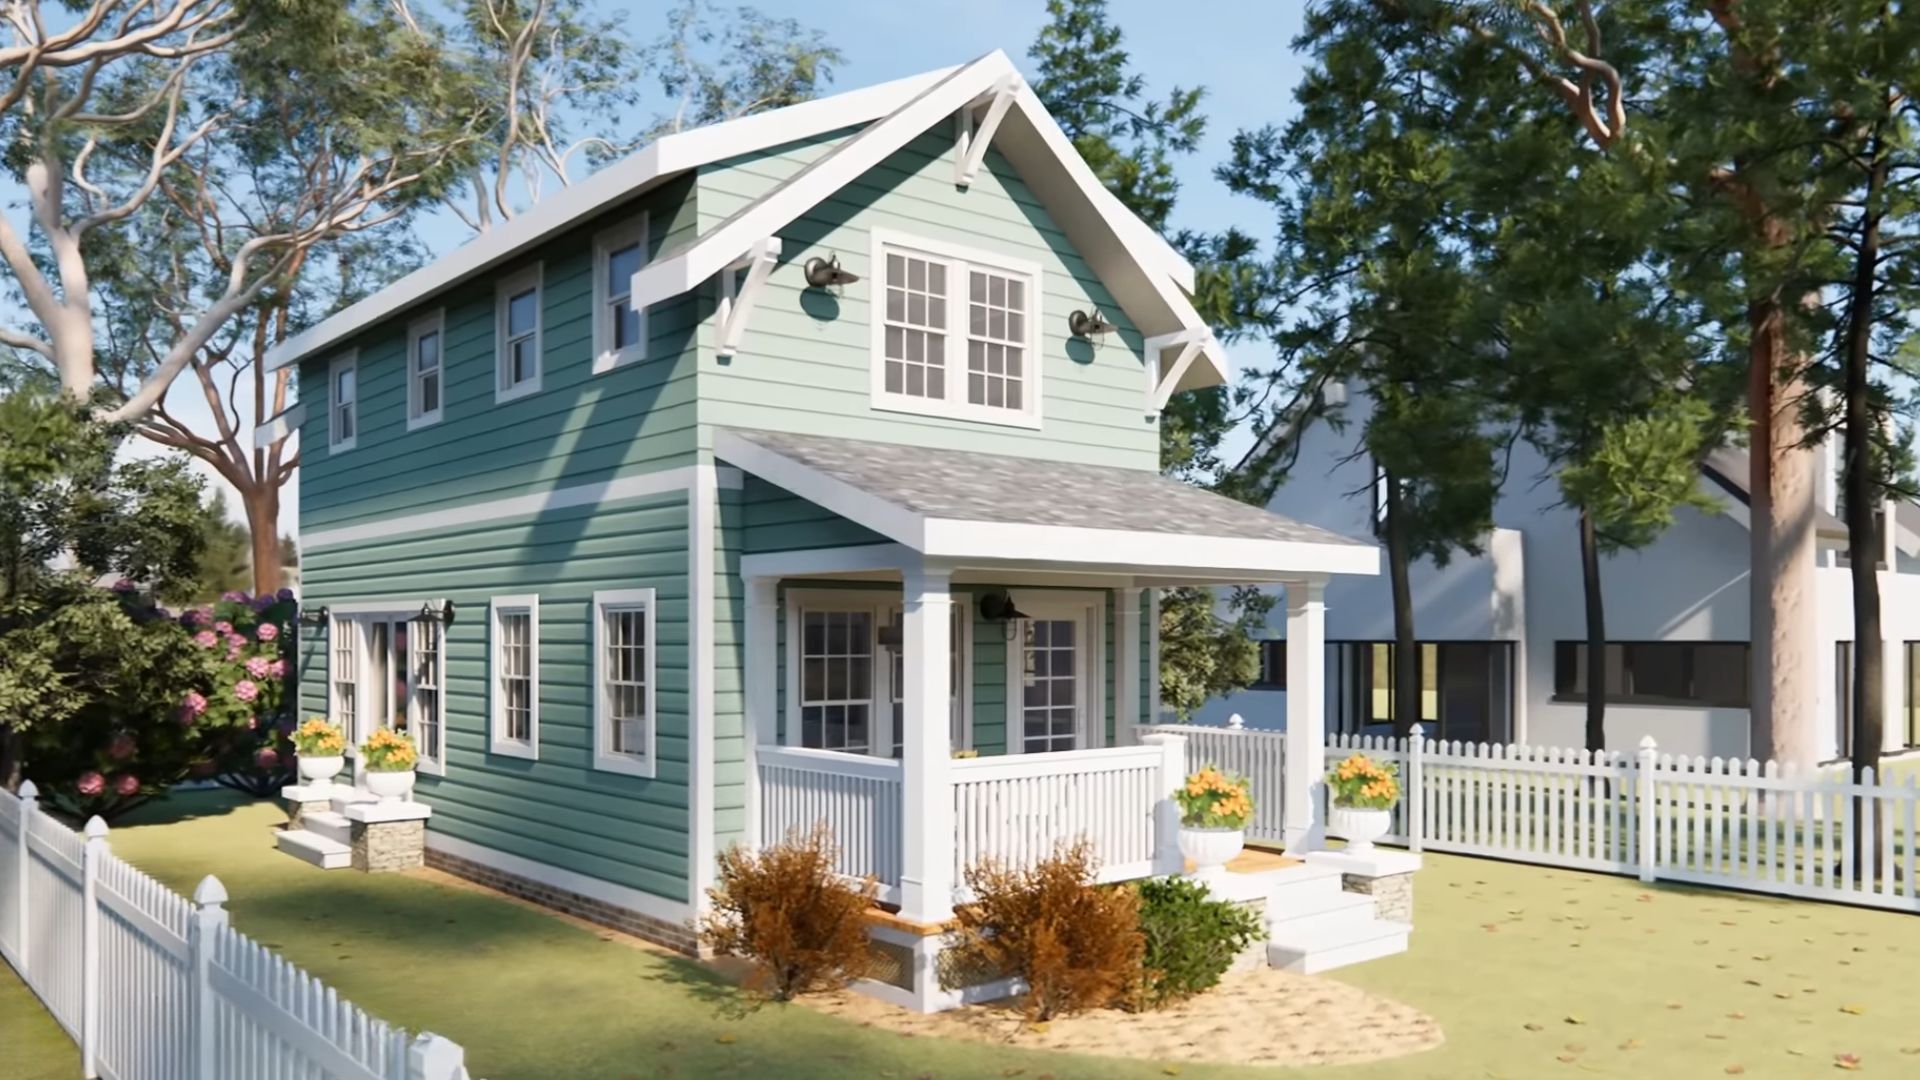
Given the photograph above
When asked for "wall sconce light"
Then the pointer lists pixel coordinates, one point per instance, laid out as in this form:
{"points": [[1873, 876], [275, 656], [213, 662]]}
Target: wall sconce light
{"points": [[1085, 324], [828, 273], [440, 611], [997, 606], [314, 616]]}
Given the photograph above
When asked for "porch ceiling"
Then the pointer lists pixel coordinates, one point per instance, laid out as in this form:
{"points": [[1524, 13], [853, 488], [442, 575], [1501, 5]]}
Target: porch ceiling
{"points": [[999, 511]]}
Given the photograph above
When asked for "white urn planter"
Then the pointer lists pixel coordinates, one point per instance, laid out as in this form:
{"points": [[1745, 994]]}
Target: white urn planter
{"points": [[1359, 827], [390, 786], [1210, 849], [320, 771]]}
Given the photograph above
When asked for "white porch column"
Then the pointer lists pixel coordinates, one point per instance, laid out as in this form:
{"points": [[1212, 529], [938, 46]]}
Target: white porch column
{"points": [[1126, 667], [1306, 760], [762, 670], [926, 876]]}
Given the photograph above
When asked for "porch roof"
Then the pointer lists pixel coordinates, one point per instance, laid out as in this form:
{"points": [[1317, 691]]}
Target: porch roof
{"points": [[969, 506]]}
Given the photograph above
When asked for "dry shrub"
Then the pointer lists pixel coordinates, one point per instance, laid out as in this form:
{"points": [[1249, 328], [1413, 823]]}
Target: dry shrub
{"points": [[1077, 945], [787, 911]]}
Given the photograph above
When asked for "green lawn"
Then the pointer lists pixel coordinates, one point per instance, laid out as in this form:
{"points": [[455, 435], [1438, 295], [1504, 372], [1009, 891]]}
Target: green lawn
{"points": [[1531, 972]]}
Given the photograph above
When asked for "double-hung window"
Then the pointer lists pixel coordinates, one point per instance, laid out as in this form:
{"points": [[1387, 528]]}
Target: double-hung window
{"points": [[513, 670], [518, 332], [426, 342], [847, 678], [343, 402], [388, 670], [956, 332], [623, 681], [619, 330]]}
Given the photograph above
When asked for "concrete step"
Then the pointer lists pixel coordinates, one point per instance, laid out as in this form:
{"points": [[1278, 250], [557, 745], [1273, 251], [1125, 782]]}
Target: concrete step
{"points": [[349, 797], [328, 824], [1306, 917], [1312, 953], [310, 847], [1298, 884]]}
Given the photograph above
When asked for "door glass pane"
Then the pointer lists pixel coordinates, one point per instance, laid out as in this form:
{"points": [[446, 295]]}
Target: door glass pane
{"points": [[1050, 666]]}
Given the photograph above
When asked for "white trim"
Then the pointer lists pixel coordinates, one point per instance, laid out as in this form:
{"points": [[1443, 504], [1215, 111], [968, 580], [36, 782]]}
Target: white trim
{"points": [[435, 323], [835, 560], [497, 741], [335, 443], [637, 486], [1153, 656], [604, 757], [959, 261], [619, 182], [436, 766], [605, 243], [280, 425], [535, 278], [1193, 342], [654, 907], [971, 152], [1089, 610], [737, 300], [702, 512], [1127, 631]]}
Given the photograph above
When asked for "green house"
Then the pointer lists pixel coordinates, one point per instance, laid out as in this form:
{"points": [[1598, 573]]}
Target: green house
{"points": [[743, 485]]}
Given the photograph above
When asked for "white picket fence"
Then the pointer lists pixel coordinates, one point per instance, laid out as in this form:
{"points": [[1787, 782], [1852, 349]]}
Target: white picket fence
{"points": [[1815, 833], [154, 987]]}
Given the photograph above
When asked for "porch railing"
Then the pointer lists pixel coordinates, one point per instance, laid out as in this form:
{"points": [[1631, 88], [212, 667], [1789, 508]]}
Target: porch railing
{"points": [[857, 798], [1258, 755], [1019, 809]]}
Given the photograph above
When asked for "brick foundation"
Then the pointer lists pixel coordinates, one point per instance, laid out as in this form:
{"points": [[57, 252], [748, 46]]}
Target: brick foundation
{"points": [[678, 937], [1392, 894]]}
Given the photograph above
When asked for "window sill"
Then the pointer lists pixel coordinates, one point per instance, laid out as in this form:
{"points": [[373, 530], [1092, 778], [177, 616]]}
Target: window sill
{"points": [[608, 361], [621, 763], [945, 411], [341, 447], [426, 420], [525, 389], [527, 751]]}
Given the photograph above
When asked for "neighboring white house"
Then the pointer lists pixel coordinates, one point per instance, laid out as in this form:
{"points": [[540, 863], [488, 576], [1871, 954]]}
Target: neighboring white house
{"points": [[1502, 633]]}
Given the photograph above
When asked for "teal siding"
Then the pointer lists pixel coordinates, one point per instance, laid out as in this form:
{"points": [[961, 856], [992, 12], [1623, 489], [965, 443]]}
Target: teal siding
{"points": [[774, 519], [729, 674], [806, 360], [580, 428], [558, 810]]}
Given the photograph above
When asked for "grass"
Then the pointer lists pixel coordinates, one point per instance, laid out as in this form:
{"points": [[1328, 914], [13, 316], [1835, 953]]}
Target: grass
{"points": [[1532, 972]]}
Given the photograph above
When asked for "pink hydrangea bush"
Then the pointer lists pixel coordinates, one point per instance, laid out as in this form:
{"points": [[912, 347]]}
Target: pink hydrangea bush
{"points": [[248, 640]]}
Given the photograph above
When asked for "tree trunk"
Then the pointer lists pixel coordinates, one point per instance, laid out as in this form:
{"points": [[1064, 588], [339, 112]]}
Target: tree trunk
{"points": [[1406, 647], [262, 504], [1596, 634], [1781, 507]]}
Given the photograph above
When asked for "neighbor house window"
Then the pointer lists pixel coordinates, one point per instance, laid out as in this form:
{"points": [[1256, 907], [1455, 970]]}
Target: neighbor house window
{"points": [[623, 677], [619, 331], [1273, 666], [956, 333], [425, 343], [1709, 674], [343, 412], [514, 671], [1912, 652], [518, 332]]}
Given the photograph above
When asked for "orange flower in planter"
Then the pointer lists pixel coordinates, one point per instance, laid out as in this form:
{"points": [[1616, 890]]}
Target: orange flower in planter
{"points": [[1210, 799]]}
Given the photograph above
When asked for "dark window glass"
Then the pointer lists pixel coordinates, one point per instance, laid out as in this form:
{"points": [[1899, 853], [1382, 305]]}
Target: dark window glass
{"points": [[1699, 673]]}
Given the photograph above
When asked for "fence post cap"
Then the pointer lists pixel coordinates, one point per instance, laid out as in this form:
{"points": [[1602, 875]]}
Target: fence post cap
{"points": [[96, 828], [28, 791], [210, 893], [435, 1057], [1417, 731], [1647, 743], [1236, 721]]}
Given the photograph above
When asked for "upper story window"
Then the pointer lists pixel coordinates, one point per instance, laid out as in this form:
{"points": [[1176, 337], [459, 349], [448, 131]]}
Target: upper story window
{"points": [[425, 345], [343, 407], [619, 331], [518, 334], [955, 332]]}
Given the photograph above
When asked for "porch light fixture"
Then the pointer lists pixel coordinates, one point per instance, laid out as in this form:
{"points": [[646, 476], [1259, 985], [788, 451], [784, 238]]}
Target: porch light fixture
{"points": [[314, 616], [440, 611], [828, 273], [1086, 324], [998, 607]]}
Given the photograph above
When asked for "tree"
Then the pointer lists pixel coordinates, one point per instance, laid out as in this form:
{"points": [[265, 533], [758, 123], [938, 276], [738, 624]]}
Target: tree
{"points": [[226, 557]]}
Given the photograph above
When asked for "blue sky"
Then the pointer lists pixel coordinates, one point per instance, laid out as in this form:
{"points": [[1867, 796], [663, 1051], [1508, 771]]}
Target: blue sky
{"points": [[1238, 49]]}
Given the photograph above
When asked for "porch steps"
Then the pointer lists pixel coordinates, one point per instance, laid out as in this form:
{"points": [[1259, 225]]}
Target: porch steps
{"points": [[1314, 952], [312, 847], [1314, 925], [329, 824]]}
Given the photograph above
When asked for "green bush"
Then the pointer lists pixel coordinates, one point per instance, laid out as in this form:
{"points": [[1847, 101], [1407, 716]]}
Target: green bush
{"points": [[1191, 939]]}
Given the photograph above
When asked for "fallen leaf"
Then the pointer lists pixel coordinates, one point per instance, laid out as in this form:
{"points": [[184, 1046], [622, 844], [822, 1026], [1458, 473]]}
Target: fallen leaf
{"points": [[1491, 928], [1576, 1048], [1751, 982], [1674, 1005], [1171, 1070], [1735, 1070], [1630, 1044], [1849, 1062], [1533, 1027], [1763, 958], [1574, 1018], [1853, 1010], [725, 1037], [1782, 994], [1645, 898], [1566, 1059], [1736, 1015]]}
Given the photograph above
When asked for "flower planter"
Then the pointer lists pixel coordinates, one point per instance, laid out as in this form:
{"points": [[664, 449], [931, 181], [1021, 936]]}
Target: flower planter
{"points": [[1210, 849], [321, 770], [390, 786], [1359, 827]]}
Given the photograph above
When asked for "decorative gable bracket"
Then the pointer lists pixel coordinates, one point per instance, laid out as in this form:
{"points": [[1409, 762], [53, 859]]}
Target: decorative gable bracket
{"points": [[971, 138], [738, 297], [1163, 377]]}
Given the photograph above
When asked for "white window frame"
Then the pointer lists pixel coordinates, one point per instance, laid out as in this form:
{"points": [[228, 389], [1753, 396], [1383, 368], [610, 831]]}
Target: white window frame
{"points": [[497, 740], [605, 356], [435, 324], [1090, 609], [533, 277], [355, 620], [349, 360], [605, 757], [959, 259], [880, 604], [431, 764]]}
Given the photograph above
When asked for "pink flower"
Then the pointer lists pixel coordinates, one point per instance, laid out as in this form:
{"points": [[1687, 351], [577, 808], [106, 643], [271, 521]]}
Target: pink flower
{"points": [[121, 747], [253, 723], [246, 690], [266, 631], [194, 703], [123, 585], [196, 617], [223, 627], [258, 666], [267, 758], [91, 783], [233, 652], [234, 596], [238, 641], [277, 669], [205, 639], [126, 784]]}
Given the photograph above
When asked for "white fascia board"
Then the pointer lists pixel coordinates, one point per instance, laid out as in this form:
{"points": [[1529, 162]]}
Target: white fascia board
{"points": [[817, 562], [280, 425], [890, 520], [724, 243], [1148, 551], [666, 157]]}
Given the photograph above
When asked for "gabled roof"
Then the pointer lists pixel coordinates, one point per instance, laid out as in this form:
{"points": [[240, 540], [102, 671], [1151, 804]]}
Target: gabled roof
{"points": [[1731, 469], [1147, 276], [973, 507]]}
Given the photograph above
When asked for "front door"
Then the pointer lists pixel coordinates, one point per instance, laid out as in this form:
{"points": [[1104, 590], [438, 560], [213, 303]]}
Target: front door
{"points": [[1055, 689]]}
